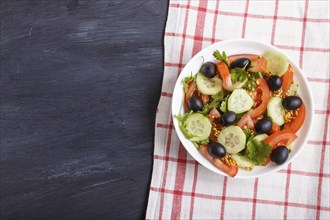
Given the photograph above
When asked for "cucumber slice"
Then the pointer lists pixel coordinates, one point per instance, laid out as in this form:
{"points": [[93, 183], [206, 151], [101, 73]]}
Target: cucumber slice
{"points": [[198, 126], [293, 89], [242, 161], [277, 63], [233, 139], [260, 137], [275, 110], [208, 86], [236, 85], [239, 101]]}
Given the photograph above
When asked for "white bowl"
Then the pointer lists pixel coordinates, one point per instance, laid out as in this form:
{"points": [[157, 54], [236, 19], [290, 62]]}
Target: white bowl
{"points": [[242, 46]]}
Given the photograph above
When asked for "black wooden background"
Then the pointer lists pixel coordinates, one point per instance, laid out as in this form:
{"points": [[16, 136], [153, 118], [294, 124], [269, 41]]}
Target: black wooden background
{"points": [[80, 83]]}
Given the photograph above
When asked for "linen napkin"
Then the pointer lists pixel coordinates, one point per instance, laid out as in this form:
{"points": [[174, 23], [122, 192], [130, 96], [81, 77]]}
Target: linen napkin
{"points": [[180, 187]]}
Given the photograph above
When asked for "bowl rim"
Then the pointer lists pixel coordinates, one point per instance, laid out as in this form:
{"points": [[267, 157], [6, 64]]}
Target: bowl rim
{"points": [[309, 109]]}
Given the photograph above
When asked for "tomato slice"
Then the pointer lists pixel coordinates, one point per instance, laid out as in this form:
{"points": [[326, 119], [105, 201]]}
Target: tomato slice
{"points": [[258, 65], [287, 79], [205, 98], [275, 128], [264, 98], [189, 93], [284, 137], [223, 69], [204, 150], [230, 170], [298, 121], [281, 138], [214, 114], [247, 121]]}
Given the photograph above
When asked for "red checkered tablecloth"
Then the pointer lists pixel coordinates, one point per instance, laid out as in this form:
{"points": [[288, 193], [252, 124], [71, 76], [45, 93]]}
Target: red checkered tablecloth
{"points": [[180, 187]]}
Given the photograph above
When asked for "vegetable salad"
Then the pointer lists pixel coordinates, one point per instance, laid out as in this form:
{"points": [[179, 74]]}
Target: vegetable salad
{"points": [[243, 110]]}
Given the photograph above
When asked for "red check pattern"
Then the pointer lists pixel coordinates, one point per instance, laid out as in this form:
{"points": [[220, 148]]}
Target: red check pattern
{"points": [[180, 187]]}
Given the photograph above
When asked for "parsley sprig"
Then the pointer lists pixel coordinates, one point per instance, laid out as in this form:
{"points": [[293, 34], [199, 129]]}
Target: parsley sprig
{"points": [[216, 100], [242, 75], [221, 57], [187, 80]]}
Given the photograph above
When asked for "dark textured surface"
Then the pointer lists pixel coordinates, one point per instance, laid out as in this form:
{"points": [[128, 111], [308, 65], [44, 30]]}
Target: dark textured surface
{"points": [[80, 83]]}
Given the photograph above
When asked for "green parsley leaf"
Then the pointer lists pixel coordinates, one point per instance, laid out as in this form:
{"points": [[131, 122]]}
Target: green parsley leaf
{"points": [[221, 57], [257, 151], [252, 78], [238, 75], [217, 98], [248, 134], [187, 80], [223, 105]]}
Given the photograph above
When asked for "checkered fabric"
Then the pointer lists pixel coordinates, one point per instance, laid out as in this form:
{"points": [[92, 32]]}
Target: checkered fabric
{"points": [[180, 187]]}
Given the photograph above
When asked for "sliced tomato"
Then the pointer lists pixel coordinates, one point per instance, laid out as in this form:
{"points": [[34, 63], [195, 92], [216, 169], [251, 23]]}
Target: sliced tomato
{"points": [[258, 65], [298, 121], [189, 93], [284, 137], [214, 114], [275, 128], [223, 69], [247, 121], [204, 149], [263, 99], [281, 138], [230, 170], [205, 98], [287, 79]]}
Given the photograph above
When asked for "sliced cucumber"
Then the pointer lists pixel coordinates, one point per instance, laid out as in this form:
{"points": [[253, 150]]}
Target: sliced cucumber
{"points": [[277, 63], [236, 85], [208, 86], [275, 110], [242, 161], [239, 101], [293, 89], [260, 137], [233, 139], [198, 126]]}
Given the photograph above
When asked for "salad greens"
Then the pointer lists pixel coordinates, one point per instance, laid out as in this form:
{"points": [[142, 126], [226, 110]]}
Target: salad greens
{"points": [[187, 80], [242, 75], [217, 98], [221, 57], [255, 150]]}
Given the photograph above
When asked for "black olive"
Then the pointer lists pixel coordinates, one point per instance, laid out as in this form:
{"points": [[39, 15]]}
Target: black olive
{"points": [[208, 69], [263, 126], [228, 118], [240, 63], [274, 83], [195, 103], [217, 150], [280, 155], [292, 102]]}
